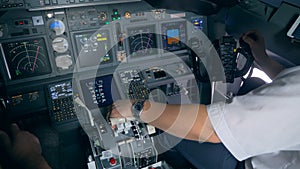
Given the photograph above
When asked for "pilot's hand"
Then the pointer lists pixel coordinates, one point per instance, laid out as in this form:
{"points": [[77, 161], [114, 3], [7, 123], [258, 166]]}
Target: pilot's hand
{"points": [[22, 148], [257, 45], [121, 109]]}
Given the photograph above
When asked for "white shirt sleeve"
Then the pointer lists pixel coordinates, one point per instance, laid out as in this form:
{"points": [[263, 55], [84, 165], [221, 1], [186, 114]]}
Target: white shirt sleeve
{"points": [[265, 120]]}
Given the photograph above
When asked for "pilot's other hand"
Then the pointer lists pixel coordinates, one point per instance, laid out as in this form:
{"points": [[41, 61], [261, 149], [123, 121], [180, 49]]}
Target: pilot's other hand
{"points": [[22, 148], [257, 45]]}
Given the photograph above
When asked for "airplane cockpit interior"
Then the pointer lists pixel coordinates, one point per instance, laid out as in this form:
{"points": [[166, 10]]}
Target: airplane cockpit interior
{"points": [[63, 64]]}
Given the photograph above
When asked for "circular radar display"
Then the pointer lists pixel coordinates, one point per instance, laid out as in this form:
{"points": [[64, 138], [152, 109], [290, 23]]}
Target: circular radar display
{"points": [[27, 58], [142, 41]]}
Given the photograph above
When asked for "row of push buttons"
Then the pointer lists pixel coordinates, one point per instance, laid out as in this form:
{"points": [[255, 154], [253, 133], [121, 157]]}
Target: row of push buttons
{"points": [[47, 2], [12, 5]]}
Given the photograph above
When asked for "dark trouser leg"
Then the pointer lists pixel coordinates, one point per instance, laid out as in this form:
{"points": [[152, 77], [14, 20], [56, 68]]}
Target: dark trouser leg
{"points": [[200, 155]]}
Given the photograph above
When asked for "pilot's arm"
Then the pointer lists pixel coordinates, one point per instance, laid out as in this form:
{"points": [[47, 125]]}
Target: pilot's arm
{"points": [[185, 121], [263, 121]]}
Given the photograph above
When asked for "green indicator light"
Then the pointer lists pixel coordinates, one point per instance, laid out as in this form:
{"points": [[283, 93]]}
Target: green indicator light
{"points": [[119, 18], [18, 72], [114, 19], [116, 13], [106, 23]]}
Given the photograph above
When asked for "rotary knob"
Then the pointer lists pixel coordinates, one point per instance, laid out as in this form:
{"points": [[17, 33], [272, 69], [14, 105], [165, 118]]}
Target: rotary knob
{"points": [[103, 16]]}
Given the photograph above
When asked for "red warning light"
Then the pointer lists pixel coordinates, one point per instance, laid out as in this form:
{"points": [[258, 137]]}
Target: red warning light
{"points": [[112, 161]]}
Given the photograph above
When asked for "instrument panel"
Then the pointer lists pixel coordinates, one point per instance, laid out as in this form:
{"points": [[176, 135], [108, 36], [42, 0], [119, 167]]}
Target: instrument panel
{"points": [[43, 47], [101, 36], [72, 62]]}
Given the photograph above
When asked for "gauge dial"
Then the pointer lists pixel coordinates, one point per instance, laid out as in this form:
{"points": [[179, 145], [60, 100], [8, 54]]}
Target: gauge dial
{"points": [[27, 58], [60, 45], [142, 41], [63, 62], [58, 27]]}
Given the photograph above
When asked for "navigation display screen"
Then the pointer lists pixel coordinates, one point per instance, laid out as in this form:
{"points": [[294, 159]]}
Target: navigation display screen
{"points": [[142, 41], [26, 58]]}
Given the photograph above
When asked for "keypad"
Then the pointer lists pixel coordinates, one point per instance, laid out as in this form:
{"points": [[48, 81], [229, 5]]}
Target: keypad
{"points": [[63, 109]]}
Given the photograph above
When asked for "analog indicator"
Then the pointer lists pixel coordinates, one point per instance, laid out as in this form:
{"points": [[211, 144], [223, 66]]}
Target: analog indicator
{"points": [[60, 45], [27, 58], [63, 62], [58, 27], [142, 41]]}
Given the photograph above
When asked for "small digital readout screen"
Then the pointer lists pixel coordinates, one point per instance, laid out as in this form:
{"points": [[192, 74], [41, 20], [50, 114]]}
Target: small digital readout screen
{"points": [[61, 90]]}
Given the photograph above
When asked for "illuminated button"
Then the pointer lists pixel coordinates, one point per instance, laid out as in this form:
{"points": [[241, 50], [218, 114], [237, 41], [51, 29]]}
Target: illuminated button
{"points": [[112, 161], [127, 15]]}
